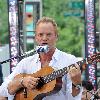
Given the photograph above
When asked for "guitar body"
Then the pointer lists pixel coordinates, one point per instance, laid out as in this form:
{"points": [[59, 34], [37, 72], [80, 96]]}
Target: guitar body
{"points": [[47, 89]]}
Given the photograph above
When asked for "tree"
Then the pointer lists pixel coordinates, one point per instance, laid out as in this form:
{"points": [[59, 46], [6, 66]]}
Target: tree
{"points": [[3, 22]]}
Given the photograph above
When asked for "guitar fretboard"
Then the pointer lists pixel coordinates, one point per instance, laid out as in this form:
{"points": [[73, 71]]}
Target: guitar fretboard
{"points": [[61, 72]]}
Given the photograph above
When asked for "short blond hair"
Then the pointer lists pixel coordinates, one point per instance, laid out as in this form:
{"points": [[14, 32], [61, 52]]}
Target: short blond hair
{"points": [[48, 20]]}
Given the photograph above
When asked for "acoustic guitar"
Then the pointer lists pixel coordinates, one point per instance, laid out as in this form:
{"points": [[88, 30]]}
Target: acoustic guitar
{"points": [[50, 81]]}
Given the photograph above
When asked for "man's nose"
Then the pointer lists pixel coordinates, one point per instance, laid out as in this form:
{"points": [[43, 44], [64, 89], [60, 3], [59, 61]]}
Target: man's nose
{"points": [[44, 37]]}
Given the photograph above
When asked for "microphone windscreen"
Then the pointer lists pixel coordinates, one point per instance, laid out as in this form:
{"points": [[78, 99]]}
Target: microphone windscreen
{"points": [[44, 48]]}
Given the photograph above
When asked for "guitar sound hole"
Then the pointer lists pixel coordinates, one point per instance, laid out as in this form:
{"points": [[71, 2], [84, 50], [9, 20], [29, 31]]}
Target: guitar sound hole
{"points": [[40, 83]]}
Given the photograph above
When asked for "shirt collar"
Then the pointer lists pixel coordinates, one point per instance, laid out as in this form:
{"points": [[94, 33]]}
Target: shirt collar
{"points": [[36, 58], [55, 56]]}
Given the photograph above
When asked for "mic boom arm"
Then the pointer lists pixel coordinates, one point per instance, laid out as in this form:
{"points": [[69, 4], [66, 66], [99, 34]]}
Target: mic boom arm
{"points": [[38, 49], [18, 56]]}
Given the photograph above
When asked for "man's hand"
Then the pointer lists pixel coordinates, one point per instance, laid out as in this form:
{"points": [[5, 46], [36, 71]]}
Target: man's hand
{"points": [[75, 74], [30, 82]]}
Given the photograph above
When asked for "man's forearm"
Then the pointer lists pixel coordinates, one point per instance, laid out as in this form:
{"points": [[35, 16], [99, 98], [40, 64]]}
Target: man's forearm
{"points": [[75, 91], [14, 85], [3, 98]]}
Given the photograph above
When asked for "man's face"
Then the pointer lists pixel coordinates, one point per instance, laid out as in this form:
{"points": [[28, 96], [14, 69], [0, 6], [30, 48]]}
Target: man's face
{"points": [[45, 34]]}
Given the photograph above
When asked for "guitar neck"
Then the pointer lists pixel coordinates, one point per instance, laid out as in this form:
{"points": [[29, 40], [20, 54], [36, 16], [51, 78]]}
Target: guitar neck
{"points": [[61, 72]]}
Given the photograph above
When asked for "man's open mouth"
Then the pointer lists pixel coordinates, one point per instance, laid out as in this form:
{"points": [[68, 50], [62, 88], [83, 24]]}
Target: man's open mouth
{"points": [[44, 44]]}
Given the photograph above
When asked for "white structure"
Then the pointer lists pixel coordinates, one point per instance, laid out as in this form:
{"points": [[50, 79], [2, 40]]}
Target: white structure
{"points": [[4, 55]]}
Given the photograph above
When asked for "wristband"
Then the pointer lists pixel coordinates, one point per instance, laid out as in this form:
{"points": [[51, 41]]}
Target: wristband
{"points": [[78, 86]]}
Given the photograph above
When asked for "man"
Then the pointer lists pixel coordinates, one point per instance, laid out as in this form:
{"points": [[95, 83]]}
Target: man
{"points": [[46, 34]]}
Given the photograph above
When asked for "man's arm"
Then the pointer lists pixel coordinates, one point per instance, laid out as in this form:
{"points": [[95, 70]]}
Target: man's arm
{"points": [[3, 98], [14, 85], [75, 74], [28, 81], [75, 90]]}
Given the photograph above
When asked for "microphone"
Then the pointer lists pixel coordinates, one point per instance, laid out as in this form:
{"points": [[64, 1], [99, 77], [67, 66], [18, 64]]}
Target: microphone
{"points": [[44, 49], [38, 49]]}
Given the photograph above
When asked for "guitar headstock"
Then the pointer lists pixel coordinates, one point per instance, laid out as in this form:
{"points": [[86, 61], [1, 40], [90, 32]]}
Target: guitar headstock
{"points": [[93, 58]]}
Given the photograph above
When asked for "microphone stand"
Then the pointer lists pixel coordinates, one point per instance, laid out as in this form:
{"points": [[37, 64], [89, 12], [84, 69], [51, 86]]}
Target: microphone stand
{"points": [[29, 53], [38, 49]]}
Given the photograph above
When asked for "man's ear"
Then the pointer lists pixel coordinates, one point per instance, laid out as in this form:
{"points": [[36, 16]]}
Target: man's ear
{"points": [[56, 36]]}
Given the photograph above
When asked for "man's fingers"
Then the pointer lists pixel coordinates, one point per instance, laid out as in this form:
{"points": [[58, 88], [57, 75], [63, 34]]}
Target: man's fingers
{"points": [[77, 66]]}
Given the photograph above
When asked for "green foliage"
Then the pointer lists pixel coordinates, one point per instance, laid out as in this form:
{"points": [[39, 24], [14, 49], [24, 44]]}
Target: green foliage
{"points": [[70, 43], [3, 22]]}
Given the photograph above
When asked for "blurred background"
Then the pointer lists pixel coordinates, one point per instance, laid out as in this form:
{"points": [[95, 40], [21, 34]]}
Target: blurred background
{"points": [[17, 24]]}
